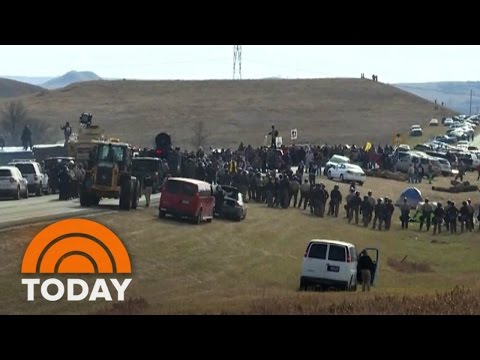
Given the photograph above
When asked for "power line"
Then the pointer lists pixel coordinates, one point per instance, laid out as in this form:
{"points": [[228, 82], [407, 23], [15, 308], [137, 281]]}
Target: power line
{"points": [[237, 59]]}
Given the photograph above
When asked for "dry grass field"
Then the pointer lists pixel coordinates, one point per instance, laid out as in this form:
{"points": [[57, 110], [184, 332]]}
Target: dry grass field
{"points": [[323, 110], [253, 267]]}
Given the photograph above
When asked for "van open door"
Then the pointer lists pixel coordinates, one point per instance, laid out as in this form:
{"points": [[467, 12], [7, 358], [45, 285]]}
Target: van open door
{"points": [[375, 255]]}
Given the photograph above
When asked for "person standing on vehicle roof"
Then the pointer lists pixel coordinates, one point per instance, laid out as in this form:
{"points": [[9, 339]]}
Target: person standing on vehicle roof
{"points": [[67, 132]]}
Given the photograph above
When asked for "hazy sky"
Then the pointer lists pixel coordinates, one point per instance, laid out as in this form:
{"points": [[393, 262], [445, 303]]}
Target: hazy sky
{"points": [[392, 63]]}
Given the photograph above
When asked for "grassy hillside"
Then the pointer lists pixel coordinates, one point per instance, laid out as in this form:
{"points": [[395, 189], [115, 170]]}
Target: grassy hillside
{"points": [[323, 110], [254, 266], [11, 88]]}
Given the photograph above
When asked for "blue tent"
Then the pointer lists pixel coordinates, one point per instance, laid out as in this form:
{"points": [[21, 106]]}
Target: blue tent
{"points": [[413, 195]]}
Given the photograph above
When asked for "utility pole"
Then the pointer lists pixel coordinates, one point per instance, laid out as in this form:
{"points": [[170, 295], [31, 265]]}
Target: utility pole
{"points": [[471, 94], [237, 59]]}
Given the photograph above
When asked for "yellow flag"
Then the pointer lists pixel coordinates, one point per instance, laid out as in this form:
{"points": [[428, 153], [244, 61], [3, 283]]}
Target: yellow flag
{"points": [[368, 146]]}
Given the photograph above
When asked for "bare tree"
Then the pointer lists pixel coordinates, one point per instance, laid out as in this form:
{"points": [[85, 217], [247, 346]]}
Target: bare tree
{"points": [[200, 134], [41, 131], [12, 119]]}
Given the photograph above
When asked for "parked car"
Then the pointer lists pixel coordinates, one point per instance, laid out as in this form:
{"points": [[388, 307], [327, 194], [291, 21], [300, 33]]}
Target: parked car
{"points": [[37, 179], [12, 183], [229, 203], [434, 122], [347, 172], [335, 160], [330, 263], [448, 122], [182, 197], [416, 130]]}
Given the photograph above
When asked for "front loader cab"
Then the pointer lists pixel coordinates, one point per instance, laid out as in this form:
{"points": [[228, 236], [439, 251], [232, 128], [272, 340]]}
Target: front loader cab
{"points": [[111, 176], [116, 157]]}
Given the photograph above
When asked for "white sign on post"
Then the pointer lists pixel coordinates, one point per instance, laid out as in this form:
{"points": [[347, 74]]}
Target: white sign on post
{"points": [[278, 141], [293, 134]]}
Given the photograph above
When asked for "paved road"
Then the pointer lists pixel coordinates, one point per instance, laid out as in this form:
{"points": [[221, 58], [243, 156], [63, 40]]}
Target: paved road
{"points": [[37, 209]]}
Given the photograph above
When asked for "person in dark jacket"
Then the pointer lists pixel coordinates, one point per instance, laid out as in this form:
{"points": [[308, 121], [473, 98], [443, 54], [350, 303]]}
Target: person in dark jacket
{"points": [[426, 216], [335, 201], [26, 138], [438, 215], [270, 192], [366, 267], [405, 214], [366, 209], [354, 206], [452, 213], [464, 218], [304, 194], [389, 209]]}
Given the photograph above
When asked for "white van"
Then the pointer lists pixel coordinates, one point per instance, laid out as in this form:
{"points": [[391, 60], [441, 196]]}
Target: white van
{"points": [[330, 263]]}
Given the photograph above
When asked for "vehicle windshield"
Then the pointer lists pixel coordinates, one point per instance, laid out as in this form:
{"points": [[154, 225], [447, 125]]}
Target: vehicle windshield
{"points": [[338, 160], [145, 165], [26, 168], [5, 173], [110, 153]]}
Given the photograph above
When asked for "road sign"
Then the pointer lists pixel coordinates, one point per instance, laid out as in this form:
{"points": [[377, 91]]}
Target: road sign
{"points": [[293, 134], [278, 141]]}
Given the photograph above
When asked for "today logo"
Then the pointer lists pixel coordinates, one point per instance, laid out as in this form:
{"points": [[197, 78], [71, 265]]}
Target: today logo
{"points": [[76, 246]]}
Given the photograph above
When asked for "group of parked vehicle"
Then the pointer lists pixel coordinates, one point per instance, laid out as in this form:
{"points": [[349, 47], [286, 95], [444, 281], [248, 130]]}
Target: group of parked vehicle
{"points": [[19, 178]]}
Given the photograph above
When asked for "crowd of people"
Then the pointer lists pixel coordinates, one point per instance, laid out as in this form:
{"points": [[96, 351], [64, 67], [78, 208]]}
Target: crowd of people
{"points": [[264, 175]]}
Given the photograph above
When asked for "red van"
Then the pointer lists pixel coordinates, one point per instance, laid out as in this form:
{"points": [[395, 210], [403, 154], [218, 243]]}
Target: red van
{"points": [[182, 197]]}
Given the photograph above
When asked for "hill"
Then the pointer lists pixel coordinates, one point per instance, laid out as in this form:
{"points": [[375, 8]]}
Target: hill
{"points": [[454, 94], [34, 80], [11, 88], [322, 110], [70, 78]]}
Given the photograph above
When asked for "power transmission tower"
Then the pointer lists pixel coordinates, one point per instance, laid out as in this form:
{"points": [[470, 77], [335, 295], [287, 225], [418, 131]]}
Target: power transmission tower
{"points": [[237, 59]]}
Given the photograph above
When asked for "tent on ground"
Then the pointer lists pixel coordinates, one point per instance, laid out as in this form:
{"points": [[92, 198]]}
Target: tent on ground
{"points": [[413, 195]]}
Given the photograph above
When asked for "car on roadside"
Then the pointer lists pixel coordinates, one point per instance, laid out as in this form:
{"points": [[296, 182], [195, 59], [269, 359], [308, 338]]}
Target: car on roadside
{"points": [[335, 160], [187, 198], [229, 203], [347, 172], [416, 130], [33, 172], [433, 122], [331, 263], [12, 183]]}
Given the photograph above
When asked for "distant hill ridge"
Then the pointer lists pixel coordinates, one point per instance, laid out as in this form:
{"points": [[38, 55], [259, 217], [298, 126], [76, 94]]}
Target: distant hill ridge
{"points": [[70, 78], [454, 94], [11, 88]]}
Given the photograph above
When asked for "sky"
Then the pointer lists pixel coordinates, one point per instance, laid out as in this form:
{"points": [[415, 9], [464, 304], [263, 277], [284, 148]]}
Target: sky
{"points": [[391, 63]]}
